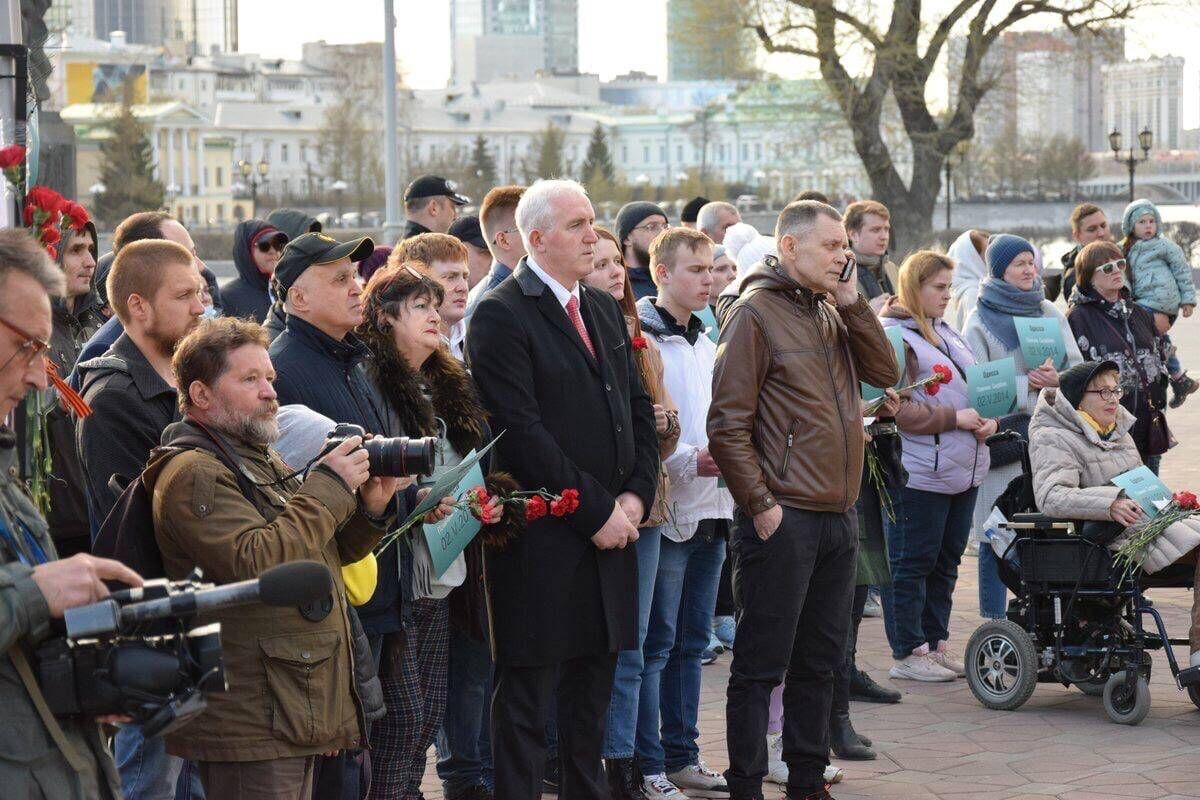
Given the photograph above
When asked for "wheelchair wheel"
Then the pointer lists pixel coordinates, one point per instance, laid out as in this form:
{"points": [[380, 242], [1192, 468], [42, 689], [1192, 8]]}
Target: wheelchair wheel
{"points": [[1123, 706], [1002, 668]]}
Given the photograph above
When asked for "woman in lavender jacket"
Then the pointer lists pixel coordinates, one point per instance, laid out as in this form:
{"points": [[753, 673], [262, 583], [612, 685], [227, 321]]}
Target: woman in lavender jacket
{"points": [[946, 459]]}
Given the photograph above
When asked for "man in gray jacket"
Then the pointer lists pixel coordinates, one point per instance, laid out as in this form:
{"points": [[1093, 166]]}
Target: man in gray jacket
{"points": [[40, 756]]}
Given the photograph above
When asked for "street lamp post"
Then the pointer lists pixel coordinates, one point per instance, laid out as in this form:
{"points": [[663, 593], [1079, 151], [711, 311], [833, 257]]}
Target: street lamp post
{"points": [[97, 190], [1145, 141], [247, 169], [954, 158]]}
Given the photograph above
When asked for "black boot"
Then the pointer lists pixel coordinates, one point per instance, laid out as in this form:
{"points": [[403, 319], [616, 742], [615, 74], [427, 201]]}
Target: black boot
{"points": [[1182, 387], [844, 742], [622, 779], [864, 688]]}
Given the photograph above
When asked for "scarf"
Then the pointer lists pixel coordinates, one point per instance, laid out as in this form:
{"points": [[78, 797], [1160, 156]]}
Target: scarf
{"points": [[999, 302], [1096, 426]]}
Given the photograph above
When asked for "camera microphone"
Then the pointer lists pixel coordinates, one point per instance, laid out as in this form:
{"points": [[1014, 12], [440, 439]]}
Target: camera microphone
{"points": [[291, 584], [295, 583]]}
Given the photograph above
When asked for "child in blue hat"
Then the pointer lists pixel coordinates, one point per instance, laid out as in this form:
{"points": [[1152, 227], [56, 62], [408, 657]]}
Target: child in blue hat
{"points": [[1162, 283]]}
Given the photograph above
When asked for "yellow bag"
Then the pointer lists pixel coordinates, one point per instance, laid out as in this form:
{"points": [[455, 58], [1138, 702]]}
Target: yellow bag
{"points": [[360, 579]]}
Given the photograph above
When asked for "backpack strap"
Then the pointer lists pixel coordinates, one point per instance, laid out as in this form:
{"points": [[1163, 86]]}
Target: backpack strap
{"points": [[64, 745], [212, 443]]}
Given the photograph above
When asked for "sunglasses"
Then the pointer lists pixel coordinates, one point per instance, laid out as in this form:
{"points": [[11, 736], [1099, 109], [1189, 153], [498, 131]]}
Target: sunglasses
{"points": [[266, 245], [1113, 266], [30, 349]]}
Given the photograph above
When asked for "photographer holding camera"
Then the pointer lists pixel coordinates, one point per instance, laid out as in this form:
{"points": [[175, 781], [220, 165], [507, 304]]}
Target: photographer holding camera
{"points": [[296, 660], [39, 754]]}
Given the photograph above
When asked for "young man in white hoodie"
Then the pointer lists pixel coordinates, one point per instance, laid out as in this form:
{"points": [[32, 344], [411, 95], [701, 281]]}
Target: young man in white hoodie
{"points": [[694, 536]]}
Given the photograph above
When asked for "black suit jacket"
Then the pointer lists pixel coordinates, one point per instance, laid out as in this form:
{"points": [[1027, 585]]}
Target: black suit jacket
{"points": [[569, 421]]}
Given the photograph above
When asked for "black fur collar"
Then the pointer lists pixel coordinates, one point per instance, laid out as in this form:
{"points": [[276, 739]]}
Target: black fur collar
{"points": [[454, 397]]}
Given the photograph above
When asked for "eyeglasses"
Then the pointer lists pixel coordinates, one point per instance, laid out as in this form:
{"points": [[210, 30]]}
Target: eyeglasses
{"points": [[1108, 395], [266, 245], [31, 348], [1113, 266], [652, 227]]}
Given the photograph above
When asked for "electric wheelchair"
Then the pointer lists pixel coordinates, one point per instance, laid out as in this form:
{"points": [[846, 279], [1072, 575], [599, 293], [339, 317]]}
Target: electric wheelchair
{"points": [[1076, 619]]}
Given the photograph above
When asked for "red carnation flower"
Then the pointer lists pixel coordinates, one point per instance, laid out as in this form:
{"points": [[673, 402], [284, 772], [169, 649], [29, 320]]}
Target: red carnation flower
{"points": [[639, 343], [12, 156], [1186, 500], [75, 215], [53, 251], [45, 198], [50, 235], [942, 372], [933, 388], [535, 508], [566, 503]]}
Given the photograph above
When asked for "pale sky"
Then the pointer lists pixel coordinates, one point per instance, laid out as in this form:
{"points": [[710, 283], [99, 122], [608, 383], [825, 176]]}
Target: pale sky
{"points": [[615, 36]]}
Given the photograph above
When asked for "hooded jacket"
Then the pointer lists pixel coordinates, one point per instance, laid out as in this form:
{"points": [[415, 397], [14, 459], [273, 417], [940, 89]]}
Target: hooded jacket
{"points": [[1073, 468], [969, 272], [293, 222], [291, 677], [687, 373], [1162, 276], [1123, 332], [785, 425], [247, 295]]}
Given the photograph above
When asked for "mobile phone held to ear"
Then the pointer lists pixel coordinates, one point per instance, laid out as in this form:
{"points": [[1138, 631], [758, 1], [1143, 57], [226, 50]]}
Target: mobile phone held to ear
{"points": [[847, 271]]}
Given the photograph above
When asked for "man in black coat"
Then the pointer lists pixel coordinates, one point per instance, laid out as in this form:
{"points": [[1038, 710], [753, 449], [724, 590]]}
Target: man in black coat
{"points": [[555, 368]]}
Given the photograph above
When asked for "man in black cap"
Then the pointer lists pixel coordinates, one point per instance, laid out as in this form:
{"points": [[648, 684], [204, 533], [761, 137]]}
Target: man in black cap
{"points": [[431, 204], [691, 211], [637, 225], [479, 258]]}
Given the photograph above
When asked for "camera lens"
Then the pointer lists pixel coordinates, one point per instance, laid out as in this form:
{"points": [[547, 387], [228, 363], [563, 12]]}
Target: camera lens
{"points": [[401, 456]]}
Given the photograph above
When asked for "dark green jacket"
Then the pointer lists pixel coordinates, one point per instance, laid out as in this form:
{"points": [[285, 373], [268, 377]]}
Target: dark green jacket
{"points": [[31, 765]]}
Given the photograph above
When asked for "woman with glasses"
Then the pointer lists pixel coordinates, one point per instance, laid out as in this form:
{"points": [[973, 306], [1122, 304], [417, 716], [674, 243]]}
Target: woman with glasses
{"points": [[257, 247], [1108, 325], [1012, 290], [1079, 440]]}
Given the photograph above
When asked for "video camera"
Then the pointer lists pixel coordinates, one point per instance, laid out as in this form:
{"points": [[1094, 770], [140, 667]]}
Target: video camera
{"points": [[139, 653], [396, 457]]}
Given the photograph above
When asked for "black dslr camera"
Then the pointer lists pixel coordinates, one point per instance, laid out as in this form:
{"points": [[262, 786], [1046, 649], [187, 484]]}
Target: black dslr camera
{"points": [[397, 457], [139, 652]]}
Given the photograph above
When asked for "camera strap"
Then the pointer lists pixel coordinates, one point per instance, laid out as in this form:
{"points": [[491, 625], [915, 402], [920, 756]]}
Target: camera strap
{"points": [[69, 753]]}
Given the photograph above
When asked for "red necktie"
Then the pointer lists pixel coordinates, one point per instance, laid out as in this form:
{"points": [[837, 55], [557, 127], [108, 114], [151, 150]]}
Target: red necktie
{"points": [[577, 321]]}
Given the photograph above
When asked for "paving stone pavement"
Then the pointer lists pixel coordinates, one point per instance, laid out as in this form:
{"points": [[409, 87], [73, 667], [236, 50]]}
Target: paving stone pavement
{"points": [[940, 743]]}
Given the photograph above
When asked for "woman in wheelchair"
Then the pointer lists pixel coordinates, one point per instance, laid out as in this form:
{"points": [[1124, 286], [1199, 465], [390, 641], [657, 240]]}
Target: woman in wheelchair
{"points": [[1079, 441]]}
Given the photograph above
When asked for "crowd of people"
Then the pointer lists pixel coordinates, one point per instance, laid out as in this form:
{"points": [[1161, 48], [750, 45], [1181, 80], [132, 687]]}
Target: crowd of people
{"points": [[698, 387]]}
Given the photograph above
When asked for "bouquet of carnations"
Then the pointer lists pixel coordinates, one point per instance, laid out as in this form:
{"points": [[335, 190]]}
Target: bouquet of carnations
{"points": [[930, 384], [503, 509], [1132, 553]]}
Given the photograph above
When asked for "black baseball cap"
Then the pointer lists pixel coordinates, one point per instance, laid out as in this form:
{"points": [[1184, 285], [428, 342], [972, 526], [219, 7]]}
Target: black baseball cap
{"points": [[317, 248], [692, 210], [435, 186], [466, 229]]}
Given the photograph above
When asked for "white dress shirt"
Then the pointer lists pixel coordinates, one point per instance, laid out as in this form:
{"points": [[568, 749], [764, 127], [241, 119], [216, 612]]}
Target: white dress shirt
{"points": [[561, 293]]}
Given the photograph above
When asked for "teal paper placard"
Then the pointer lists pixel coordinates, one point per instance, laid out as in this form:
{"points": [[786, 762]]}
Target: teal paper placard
{"points": [[448, 538], [1144, 487], [993, 387], [711, 327], [896, 337], [1041, 338]]}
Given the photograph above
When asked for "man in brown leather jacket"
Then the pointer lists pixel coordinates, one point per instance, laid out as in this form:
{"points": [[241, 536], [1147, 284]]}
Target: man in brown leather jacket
{"points": [[785, 428]]}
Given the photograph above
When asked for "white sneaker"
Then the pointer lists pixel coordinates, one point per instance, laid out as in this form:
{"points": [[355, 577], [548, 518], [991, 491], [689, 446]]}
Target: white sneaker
{"points": [[777, 770], [833, 774], [942, 657], [657, 787], [700, 781], [920, 668]]}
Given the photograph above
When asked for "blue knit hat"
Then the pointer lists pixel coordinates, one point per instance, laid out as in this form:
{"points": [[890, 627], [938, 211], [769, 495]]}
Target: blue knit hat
{"points": [[1135, 211], [1002, 249], [632, 214]]}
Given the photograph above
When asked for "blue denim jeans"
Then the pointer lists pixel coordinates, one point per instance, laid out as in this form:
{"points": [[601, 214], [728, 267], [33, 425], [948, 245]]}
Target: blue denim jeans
{"points": [[685, 593], [993, 594], [925, 544], [463, 744], [627, 680], [148, 773]]}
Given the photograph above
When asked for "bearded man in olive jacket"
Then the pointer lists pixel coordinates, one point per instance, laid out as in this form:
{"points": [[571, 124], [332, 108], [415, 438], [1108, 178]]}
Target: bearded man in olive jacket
{"points": [[290, 670]]}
